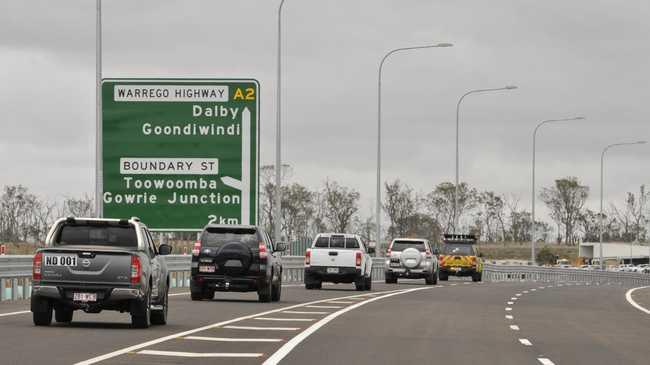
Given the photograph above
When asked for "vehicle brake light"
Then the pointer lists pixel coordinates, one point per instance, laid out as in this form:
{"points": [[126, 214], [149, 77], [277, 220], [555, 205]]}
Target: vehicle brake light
{"points": [[357, 260], [263, 253], [197, 248], [37, 265], [308, 257], [388, 252], [136, 270]]}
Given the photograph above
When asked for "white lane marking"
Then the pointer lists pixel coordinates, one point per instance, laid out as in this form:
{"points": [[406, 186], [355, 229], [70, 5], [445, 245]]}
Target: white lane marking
{"points": [[525, 291], [541, 287], [197, 354], [533, 289], [508, 309], [139, 346], [453, 284], [545, 361], [303, 312], [511, 303], [525, 342], [518, 294], [339, 302], [230, 339], [508, 316], [175, 294], [252, 328], [636, 305], [514, 327], [324, 306], [291, 344], [14, 313], [285, 319], [360, 298], [467, 283]]}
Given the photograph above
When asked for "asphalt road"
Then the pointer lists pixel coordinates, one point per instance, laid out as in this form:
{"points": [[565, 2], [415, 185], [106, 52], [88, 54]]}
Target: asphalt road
{"points": [[455, 322]]}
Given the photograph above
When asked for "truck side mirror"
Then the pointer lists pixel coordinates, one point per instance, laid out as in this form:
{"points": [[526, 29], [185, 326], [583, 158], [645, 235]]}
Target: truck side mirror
{"points": [[164, 249]]}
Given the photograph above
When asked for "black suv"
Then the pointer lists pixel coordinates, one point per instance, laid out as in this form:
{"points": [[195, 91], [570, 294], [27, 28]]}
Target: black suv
{"points": [[236, 258]]}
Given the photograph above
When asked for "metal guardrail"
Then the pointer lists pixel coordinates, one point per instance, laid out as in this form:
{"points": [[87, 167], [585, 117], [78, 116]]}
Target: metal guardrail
{"points": [[16, 274]]}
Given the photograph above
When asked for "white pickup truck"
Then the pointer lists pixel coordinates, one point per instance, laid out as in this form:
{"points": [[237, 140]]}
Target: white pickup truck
{"points": [[338, 258]]}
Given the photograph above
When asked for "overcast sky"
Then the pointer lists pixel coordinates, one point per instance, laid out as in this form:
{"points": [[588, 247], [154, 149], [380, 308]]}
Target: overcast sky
{"points": [[579, 57]]}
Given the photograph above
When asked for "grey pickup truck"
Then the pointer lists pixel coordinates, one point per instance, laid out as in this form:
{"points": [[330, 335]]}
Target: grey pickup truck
{"points": [[100, 264]]}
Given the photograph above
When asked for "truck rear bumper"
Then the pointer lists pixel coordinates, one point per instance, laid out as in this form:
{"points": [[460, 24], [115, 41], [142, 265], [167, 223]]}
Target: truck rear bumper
{"points": [[107, 298], [344, 275], [458, 270]]}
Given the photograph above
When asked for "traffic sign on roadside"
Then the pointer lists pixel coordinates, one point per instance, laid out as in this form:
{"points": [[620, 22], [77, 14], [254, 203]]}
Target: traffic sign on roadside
{"points": [[180, 153]]}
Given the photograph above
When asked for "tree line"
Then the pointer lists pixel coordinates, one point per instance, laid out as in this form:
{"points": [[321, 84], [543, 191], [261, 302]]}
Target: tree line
{"points": [[333, 207]]}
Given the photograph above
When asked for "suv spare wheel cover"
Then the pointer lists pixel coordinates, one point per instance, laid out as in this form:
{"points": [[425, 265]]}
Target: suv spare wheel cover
{"points": [[234, 258], [411, 258]]}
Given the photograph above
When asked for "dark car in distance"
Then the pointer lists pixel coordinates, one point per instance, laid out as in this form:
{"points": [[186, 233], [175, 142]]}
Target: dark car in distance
{"points": [[236, 258]]}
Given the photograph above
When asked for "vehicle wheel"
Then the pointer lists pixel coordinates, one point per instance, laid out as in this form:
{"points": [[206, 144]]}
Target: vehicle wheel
{"points": [[369, 283], [429, 279], [196, 296], [41, 311], [141, 316], [477, 276], [276, 291], [360, 283], [435, 278], [207, 294], [443, 276], [63, 314], [391, 279], [264, 293], [160, 316]]}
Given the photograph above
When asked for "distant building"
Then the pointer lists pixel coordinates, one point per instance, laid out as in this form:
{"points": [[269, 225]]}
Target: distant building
{"points": [[615, 252]]}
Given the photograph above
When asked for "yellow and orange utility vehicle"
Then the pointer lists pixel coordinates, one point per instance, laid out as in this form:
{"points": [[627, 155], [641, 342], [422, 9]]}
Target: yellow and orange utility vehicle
{"points": [[459, 257]]}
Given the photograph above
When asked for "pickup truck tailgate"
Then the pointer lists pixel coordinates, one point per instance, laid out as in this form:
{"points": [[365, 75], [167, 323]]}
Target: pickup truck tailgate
{"points": [[87, 267], [333, 257]]}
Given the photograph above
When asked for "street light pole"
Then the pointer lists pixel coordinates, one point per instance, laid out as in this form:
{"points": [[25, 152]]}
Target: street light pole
{"points": [[532, 234], [509, 87], [278, 134], [602, 220], [381, 67], [99, 167]]}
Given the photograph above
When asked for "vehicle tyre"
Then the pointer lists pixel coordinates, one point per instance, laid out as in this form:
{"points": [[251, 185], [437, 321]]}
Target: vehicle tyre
{"points": [[391, 279], [159, 317], [196, 296], [207, 294], [41, 311], [63, 314], [276, 291], [360, 283], [369, 283], [264, 293], [141, 313], [477, 276], [443, 276], [429, 279], [435, 278]]}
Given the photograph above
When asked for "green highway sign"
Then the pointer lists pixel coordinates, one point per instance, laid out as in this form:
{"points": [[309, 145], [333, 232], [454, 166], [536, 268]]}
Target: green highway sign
{"points": [[180, 153]]}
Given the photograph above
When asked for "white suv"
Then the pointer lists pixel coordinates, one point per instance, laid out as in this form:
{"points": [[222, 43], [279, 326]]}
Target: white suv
{"points": [[411, 258]]}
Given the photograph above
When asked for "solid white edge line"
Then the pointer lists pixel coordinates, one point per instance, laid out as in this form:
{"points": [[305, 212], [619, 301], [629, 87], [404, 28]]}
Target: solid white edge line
{"points": [[197, 354], [545, 361], [231, 339], [14, 313], [139, 346], [295, 341], [628, 297]]}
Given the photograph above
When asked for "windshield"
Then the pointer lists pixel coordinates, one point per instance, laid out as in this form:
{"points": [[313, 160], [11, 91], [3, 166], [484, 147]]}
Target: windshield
{"points": [[457, 249], [97, 235], [403, 245], [217, 237]]}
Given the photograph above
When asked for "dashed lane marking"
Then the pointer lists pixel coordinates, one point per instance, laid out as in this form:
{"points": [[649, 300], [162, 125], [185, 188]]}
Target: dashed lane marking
{"points": [[518, 294], [525, 342], [514, 327], [508, 316], [324, 306], [511, 303], [285, 319], [13, 313], [508, 309], [545, 361], [252, 328], [197, 354], [230, 339], [339, 302], [303, 312]]}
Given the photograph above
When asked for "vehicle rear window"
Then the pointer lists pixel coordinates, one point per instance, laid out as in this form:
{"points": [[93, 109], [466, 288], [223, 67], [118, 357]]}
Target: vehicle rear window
{"points": [[217, 237], [351, 243], [457, 249], [322, 242], [403, 245], [337, 242], [97, 235]]}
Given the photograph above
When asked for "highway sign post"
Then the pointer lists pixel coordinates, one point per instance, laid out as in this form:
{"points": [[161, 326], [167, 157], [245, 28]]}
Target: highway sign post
{"points": [[180, 153]]}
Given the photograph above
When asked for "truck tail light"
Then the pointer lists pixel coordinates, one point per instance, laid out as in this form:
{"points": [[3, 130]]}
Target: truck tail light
{"points": [[357, 260], [136, 270], [308, 257], [263, 252], [37, 266], [197, 248]]}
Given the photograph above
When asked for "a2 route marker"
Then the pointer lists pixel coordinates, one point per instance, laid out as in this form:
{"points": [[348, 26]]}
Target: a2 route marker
{"points": [[180, 153]]}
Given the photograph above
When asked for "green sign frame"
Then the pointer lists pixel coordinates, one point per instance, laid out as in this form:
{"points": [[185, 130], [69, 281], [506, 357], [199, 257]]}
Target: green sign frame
{"points": [[180, 153]]}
